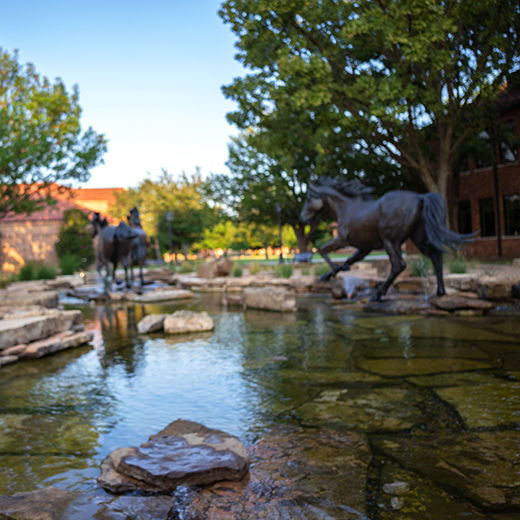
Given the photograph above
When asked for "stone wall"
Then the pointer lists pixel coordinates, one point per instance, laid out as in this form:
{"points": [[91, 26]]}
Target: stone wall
{"points": [[23, 241]]}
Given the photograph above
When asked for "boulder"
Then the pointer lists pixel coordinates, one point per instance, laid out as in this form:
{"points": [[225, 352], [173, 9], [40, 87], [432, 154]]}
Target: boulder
{"points": [[232, 300], [271, 299], [151, 323], [25, 330], [10, 298], [218, 267], [462, 282], [184, 453], [160, 295], [56, 343], [187, 321], [490, 289], [455, 303], [44, 504]]}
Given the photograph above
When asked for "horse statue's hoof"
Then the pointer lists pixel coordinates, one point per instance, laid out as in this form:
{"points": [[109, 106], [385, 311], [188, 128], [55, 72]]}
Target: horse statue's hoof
{"points": [[327, 276], [375, 298]]}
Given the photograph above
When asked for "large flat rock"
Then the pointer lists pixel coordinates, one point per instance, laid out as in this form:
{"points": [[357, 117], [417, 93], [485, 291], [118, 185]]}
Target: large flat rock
{"points": [[181, 322], [398, 367], [184, 453], [25, 330], [295, 474], [268, 298], [160, 296], [56, 343], [47, 299], [478, 466]]}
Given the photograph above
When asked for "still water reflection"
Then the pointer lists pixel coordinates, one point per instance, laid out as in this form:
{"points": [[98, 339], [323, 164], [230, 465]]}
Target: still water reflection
{"points": [[322, 367]]}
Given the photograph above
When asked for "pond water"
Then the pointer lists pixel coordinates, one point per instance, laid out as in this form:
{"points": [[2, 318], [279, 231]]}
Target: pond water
{"points": [[412, 384]]}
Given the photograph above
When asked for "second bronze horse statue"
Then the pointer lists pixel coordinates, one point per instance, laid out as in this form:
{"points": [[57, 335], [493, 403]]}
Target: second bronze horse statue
{"points": [[386, 223]]}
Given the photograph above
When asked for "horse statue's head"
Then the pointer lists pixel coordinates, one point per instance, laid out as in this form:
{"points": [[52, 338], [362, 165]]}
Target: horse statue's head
{"points": [[97, 224], [134, 218], [313, 205]]}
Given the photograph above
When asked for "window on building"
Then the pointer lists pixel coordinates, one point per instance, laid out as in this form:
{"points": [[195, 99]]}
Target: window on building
{"points": [[512, 214], [483, 151], [465, 217], [487, 217], [508, 144]]}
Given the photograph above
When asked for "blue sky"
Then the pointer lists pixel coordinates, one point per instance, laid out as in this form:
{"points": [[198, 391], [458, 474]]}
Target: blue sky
{"points": [[149, 75]]}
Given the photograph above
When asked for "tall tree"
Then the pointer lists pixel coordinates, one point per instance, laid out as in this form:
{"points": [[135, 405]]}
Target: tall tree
{"points": [[404, 78], [41, 142], [182, 195]]}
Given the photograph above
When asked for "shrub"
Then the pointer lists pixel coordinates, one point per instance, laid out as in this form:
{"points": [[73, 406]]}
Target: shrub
{"points": [[27, 272], [284, 270], [254, 267], [45, 272], [421, 266], [6, 279], [237, 270], [186, 267], [74, 238], [69, 263], [321, 269], [306, 271], [457, 264]]}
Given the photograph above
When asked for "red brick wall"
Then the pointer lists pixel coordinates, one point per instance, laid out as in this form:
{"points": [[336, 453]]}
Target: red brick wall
{"points": [[478, 184]]}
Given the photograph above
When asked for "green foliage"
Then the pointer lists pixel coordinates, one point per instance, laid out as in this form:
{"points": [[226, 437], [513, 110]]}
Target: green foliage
{"points": [[74, 241], [306, 271], [321, 269], [69, 263], [237, 270], [6, 279], [183, 196], [255, 267], [420, 266], [186, 267], [457, 264], [41, 137], [36, 271], [284, 270], [379, 89]]}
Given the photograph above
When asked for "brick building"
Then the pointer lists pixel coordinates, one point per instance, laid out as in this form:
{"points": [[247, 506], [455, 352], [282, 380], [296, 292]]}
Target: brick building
{"points": [[32, 237], [483, 184]]}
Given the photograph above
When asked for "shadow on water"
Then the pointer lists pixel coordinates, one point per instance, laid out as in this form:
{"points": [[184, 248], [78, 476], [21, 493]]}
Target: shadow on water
{"points": [[425, 392]]}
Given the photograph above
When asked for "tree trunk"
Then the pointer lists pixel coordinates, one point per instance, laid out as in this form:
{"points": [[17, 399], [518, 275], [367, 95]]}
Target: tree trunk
{"points": [[303, 239], [455, 199], [157, 249], [176, 251], [185, 248], [266, 245]]}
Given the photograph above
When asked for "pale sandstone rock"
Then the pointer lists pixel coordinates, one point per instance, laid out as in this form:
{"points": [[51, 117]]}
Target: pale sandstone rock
{"points": [[218, 267], [232, 300], [56, 343], [187, 321], [151, 323], [25, 330], [5, 360], [47, 299], [239, 284], [14, 351], [488, 288], [160, 296], [272, 299], [453, 303]]}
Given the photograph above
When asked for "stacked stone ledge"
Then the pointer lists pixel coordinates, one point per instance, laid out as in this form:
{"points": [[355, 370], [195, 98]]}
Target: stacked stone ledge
{"points": [[180, 322]]}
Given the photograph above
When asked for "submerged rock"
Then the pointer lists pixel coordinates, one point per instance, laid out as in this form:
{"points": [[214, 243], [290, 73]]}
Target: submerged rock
{"points": [[478, 466], [385, 409], [408, 306], [184, 453], [188, 321]]}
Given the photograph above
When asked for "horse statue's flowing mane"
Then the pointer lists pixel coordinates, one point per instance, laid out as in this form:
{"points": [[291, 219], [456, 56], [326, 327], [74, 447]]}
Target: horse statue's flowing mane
{"points": [[352, 188]]}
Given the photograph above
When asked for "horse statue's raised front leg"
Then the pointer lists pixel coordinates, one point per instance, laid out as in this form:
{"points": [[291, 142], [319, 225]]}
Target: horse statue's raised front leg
{"points": [[334, 244]]}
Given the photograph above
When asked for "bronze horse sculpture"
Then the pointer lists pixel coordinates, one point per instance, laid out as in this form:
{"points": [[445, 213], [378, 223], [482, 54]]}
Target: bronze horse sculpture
{"points": [[386, 223], [139, 248], [113, 246]]}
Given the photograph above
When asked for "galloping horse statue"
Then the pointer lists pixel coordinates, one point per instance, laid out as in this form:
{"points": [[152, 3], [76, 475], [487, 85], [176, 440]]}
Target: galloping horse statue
{"points": [[114, 245], [386, 223], [139, 249]]}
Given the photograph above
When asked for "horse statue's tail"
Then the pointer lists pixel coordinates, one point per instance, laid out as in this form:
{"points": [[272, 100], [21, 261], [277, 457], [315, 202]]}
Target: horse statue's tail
{"points": [[434, 213]]}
